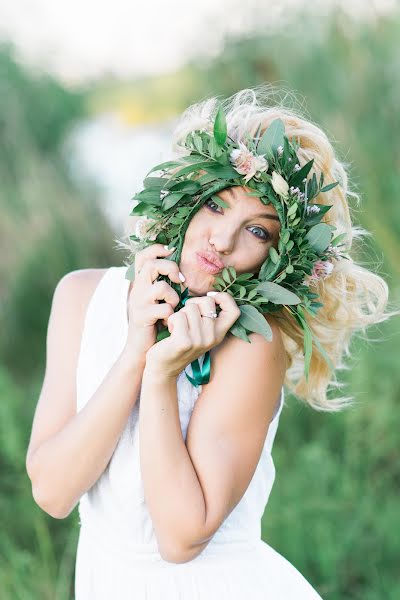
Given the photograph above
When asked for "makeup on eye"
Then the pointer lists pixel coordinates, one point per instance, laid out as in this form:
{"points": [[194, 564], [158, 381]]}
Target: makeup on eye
{"points": [[263, 239]]}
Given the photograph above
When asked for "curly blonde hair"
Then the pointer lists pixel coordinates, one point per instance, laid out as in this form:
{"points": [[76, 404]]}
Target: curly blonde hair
{"points": [[353, 296]]}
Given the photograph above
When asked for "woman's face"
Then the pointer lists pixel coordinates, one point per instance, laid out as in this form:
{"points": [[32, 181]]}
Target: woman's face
{"points": [[238, 236]]}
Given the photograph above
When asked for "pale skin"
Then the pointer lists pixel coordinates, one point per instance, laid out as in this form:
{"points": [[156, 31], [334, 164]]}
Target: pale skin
{"points": [[190, 487]]}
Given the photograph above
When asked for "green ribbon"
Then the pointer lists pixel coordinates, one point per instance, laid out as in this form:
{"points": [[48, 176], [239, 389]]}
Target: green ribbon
{"points": [[201, 374]]}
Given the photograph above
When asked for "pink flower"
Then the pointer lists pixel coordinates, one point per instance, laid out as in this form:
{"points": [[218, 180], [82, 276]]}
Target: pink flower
{"points": [[321, 270], [247, 163]]}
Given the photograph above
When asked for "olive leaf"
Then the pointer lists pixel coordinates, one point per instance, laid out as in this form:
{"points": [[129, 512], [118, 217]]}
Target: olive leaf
{"points": [[220, 127], [277, 294], [253, 320], [319, 237], [272, 138]]}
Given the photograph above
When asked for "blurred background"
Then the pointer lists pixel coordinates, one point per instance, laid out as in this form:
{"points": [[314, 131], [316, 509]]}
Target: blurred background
{"points": [[89, 95]]}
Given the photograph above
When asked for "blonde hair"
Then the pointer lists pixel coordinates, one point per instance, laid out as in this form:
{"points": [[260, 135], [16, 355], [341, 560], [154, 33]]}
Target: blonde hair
{"points": [[353, 297]]}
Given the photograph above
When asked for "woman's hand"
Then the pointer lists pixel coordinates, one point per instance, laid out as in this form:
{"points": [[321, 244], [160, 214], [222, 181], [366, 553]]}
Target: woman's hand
{"points": [[144, 310], [192, 333]]}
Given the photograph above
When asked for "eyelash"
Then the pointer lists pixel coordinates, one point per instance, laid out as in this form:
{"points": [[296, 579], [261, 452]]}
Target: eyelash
{"points": [[266, 239]]}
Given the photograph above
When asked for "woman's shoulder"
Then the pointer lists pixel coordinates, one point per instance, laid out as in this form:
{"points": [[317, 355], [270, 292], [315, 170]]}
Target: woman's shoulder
{"points": [[236, 351], [77, 287]]}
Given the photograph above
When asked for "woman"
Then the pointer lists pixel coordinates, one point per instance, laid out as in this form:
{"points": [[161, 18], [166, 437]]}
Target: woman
{"points": [[171, 496]]}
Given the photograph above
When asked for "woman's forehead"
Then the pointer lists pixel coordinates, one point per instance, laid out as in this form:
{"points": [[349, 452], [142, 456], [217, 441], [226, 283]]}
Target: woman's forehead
{"points": [[238, 194]]}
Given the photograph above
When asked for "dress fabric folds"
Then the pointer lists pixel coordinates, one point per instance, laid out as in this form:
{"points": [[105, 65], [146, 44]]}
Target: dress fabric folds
{"points": [[117, 555]]}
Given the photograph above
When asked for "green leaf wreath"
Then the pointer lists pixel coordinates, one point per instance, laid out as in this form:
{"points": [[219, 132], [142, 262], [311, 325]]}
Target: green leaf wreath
{"points": [[269, 166]]}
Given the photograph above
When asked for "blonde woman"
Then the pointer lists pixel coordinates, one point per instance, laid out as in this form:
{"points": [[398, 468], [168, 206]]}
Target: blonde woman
{"points": [[172, 479]]}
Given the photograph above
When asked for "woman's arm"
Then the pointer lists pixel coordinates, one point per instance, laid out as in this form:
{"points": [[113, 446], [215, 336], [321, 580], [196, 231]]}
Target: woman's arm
{"points": [[69, 451], [172, 490], [192, 486]]}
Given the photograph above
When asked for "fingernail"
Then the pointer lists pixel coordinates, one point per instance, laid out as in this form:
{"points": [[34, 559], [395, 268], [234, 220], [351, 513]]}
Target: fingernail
{"points": [[181, 276], [212, 293], [166, 247]]}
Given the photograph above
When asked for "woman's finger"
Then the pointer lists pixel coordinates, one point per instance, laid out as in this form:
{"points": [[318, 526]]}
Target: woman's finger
{"points": [[230, 312], [179, 328], [152, 251], [206, 303]]}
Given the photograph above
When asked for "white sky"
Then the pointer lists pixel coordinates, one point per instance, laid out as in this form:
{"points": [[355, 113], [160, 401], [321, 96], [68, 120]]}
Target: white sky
{"points": [[80, 39]]}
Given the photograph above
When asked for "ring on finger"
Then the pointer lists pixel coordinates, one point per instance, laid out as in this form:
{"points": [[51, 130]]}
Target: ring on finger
{"points": [[211, 315]]}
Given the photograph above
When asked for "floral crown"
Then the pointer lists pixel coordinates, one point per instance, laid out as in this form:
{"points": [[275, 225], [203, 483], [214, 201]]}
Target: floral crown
{"points": [[270, 167]]}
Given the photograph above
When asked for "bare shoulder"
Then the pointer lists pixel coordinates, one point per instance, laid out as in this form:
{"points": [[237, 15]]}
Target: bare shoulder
{"points": [[80, 283], [234, 352]]}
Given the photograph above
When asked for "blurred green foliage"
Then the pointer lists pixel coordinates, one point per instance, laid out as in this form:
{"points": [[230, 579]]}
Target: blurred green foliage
{"points": [[333, 511], [48, 226]]}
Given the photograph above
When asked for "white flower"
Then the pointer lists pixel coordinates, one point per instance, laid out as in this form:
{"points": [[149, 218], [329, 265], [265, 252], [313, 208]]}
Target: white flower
{"points": [[280, 150], [313, 209], [334, 251], [280, 186], [142, 227], [297, 167], [247, 163]]}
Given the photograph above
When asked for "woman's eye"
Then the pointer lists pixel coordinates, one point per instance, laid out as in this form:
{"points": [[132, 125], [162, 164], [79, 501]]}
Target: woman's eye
{"points": [[264, 236], [208, 202]]}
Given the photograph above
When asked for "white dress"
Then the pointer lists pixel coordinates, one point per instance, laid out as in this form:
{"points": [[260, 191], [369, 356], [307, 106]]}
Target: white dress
{"points": [[117, 556]]}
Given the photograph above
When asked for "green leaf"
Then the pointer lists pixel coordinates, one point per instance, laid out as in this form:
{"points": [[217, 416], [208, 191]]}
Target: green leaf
{"points": [[242, 292], [149, 196], [194, 167], [253, 320], [268, 269], [289, 269], [257, 194], [197, 141], [252, 293], [224, 172], [153, 182], [225, 275], [232, 271], [171, 199], [292, 209], [319, 237], [324, 354], [240, 332], [289, 245], [330, 186], [220, 281], [338, 239], [272, 137], [187, 186], [220, 127], [277, 294], [298, 176], [165, 165], [314, 218], [245, 276], [219, 201], [307, 342], [273, 254], [140, 209]]}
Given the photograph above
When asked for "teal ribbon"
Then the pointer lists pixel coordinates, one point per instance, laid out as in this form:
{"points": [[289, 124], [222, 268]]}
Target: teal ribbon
{"points": [[201, 374]]}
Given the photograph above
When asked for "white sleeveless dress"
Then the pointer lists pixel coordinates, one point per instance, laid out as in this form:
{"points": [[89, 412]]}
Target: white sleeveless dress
{"points": [[117, 556]]}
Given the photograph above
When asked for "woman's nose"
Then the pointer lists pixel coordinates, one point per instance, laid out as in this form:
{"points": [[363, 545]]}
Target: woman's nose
{"points": [[223, 242]]}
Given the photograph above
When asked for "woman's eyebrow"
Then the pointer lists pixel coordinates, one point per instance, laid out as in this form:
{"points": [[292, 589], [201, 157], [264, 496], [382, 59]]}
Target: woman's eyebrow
{"points": [[258, 215], [266, 216]]}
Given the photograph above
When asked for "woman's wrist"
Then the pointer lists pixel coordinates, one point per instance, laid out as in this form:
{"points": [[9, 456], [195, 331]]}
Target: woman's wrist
{"points": [[132, 361], [155, 373]]}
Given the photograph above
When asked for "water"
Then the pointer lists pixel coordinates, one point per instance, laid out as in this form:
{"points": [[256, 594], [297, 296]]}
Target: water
{"points": [[116, 157]]}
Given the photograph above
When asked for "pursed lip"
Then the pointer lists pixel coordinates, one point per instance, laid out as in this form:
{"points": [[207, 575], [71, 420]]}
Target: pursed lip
{"points": [[211, 258]]}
